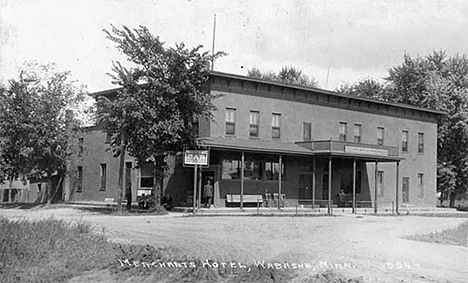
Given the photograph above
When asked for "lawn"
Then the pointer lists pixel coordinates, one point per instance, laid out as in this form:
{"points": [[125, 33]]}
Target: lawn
{"points": [[55, 250], [457, 236]]}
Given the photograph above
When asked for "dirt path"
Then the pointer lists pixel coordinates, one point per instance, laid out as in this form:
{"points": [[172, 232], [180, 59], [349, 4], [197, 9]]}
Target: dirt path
{"points": [[368, 246]]}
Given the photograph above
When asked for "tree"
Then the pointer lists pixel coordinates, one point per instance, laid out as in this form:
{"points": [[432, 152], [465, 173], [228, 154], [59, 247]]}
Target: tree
{"points": [[368, 88], [35, 124], [437, 82], [162, 93], [287, 75]]}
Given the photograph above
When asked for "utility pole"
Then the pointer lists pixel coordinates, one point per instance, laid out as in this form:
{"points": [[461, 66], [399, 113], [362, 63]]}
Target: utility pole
{"points": [[213, 47]]}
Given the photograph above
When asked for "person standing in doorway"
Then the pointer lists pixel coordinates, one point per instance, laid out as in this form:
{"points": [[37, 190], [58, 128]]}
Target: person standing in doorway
{"points": [[208, 193]]}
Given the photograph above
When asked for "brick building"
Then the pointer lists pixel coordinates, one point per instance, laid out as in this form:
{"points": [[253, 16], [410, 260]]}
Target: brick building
{"points": [[308, 145]]}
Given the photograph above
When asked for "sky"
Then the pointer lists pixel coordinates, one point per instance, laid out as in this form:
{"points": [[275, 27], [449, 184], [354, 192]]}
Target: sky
{"points": [[334, 41]]}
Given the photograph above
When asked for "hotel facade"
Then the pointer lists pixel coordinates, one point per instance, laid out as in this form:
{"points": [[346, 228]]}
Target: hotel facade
{"points": [[300, 145]]}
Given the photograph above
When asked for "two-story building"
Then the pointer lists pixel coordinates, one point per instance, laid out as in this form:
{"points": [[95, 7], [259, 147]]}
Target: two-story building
{"points": [[308, 145]]}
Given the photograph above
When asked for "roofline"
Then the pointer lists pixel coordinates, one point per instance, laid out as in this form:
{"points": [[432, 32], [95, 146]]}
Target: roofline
{"points": [[323, 91], [328, 92]]}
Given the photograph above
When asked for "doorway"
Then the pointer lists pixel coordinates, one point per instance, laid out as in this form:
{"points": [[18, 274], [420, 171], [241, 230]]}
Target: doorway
{"points": [[304, 187], [405, 190], [128, 180], [325, 186], [208, 176]]}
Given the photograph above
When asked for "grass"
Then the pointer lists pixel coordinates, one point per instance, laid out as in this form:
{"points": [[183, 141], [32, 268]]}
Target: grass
{"points": [[53, 250], [457, 236], [48, 250]]}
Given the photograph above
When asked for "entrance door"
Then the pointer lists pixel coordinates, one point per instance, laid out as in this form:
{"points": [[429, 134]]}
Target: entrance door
{"points": [[325, 186], [208, 176], [405, 190], [305, 186]]}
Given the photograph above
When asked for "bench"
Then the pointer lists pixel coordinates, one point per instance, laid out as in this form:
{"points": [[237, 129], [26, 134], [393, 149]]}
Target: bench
{"points": [[246, 199]]}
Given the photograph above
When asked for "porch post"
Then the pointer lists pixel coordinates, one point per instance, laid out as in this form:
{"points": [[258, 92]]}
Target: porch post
{"points": [[330, 209], [313, 182], [354, 185], [375, 185], [200, 186], [194, 188], [396, 185], [242, 181], [279, 181]]}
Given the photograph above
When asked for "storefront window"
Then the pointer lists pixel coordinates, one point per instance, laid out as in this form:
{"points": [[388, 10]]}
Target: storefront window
{"points": [[253, 170], [231, 169]]}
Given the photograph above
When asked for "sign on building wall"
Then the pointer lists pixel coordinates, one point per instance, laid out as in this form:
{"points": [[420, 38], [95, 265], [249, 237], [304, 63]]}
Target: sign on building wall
{"points": [[366, 150], [196, 157]]}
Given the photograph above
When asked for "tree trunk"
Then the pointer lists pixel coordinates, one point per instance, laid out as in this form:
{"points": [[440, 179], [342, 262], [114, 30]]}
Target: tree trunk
{"points": [[49, 188], [451, 198], [10, 190], [121, 174], [158, 174]]}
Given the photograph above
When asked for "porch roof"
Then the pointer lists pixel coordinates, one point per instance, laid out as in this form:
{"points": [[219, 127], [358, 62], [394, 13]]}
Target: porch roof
{"points": [[256, 145], [326, 148]]}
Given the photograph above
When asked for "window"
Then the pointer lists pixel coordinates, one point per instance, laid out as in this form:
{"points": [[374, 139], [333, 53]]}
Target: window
{"points": [[253, 170], [404, 141], [420, 142], [380, 135], [231, 169], [196, 127], [307, 131], [103, 177], [421, 184], [343, 130], [146, 175], [380, 188], [272, 171], [109, 136], [254, 120], [79, 188], [230, 121], [276, 126], [357, 133], [80, 147]]}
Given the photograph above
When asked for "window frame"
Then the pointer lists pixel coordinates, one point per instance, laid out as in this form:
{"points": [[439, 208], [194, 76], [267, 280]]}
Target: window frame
{"points": [[380, 183], [79, 187], [103, 177], [343, 128], [405, 143], [421, 185], [358, 127], [256, 125], [276, 127], [420, 142], [306, 131], [380, 140], [229, 123]]}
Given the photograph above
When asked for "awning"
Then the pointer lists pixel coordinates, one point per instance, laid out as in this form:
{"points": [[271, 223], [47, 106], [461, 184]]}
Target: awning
{"points": [[276, 147]]}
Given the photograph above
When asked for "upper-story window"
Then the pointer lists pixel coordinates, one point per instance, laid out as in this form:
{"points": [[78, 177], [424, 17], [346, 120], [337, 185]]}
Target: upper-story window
{"points": [[380, 135], [80, 147], [404, 141], [343, 130], [276, 126], [420, 142], [307, 131], [230, 121], [254, 118], [357, 133]]}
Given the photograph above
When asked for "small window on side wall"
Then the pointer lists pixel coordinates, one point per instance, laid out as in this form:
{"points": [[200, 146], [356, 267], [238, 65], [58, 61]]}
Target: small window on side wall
{"points": [[307, 131]]}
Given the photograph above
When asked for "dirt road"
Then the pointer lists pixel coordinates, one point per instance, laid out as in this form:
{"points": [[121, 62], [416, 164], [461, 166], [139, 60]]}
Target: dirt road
{"points": [[367, 246]]}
